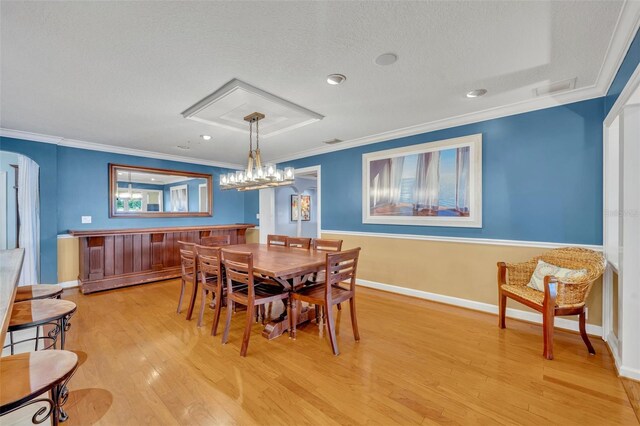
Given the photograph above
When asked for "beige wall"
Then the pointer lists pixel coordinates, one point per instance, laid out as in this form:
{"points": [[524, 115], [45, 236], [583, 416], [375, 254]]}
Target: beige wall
{"points": [[462, 270], [68, 258]]}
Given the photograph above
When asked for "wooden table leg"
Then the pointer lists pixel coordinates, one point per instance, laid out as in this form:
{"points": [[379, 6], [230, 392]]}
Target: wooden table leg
{"points": [[279, 326]]}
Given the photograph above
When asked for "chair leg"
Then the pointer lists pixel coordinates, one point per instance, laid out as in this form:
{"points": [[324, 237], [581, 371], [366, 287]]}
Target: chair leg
{"points": [[331, 328], [218, 308], [547, 326], [225, 335], [502, 310], [247, 332], [181, 296], [192, 301], [262, 313], [293, 314], [202, 305], [583, 333], [354, 320]]}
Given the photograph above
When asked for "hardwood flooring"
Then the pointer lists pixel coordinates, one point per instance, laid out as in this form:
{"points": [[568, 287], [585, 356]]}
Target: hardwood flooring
{"points": [[418, 363]]}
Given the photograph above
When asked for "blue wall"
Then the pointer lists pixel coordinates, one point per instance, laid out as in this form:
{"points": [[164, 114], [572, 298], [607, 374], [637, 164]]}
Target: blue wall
{"points": [[86, 172], [542, 178], [628, 66], [74, 183]]}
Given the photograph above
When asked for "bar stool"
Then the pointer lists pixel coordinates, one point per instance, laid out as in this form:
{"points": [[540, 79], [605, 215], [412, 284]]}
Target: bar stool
{"points": [[36, 313], [27, 376], [38, 291]]}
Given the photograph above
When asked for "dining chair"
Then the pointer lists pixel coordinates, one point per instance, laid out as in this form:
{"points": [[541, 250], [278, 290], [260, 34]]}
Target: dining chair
{"points": [[216, 241], [211, 279], [187, 268], [339, 287], [325, 244], [239, 269], [299, 242], [276, 240]]}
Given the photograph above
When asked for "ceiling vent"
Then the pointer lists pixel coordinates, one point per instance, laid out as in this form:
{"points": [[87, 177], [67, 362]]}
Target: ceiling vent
{"points": [[332, 141], [558, 86], [227, 107]]}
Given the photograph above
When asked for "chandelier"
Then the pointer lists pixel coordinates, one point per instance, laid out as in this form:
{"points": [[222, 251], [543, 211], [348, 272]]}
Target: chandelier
{"points": [[256, 176]]}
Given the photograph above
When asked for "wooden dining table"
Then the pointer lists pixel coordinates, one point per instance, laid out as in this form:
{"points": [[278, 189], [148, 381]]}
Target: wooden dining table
{"points": [[290, 267]]}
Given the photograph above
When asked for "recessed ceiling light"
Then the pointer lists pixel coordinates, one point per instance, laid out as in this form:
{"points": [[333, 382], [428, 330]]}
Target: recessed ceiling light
{"points": [[185, 147], [205, 137], [476, 93], [335, 79], [386, 59], [153, 178]]}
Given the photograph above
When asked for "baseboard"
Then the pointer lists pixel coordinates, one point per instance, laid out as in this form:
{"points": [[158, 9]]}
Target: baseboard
{"points": [[627, 372], [534, 317], [69, 284]]}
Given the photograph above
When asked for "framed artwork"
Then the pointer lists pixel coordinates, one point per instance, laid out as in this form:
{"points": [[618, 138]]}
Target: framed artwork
{"points": [[305, 207], [431, 184]]}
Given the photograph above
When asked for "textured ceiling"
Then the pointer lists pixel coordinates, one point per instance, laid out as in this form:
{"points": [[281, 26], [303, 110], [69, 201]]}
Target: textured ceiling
{"points": [[120, 73]]}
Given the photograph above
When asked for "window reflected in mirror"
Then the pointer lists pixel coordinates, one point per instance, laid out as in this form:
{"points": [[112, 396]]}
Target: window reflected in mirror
{"points": [[150, 192]]}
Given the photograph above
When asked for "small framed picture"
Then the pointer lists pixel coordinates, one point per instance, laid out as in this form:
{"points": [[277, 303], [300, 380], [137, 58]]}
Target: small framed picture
{"points": [[304, 209]]}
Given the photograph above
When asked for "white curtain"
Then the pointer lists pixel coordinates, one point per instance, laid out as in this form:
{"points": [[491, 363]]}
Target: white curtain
{"points": [[381, 183], [462, 179], [29, 214], [395, 181], [427, 185]]}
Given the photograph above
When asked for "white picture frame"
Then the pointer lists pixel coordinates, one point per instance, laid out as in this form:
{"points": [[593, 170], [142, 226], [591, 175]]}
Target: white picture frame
{"points": [[389, 196]]}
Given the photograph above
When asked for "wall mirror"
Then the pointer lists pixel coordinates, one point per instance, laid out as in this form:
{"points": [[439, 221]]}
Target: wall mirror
{"points": [[148, 192]]}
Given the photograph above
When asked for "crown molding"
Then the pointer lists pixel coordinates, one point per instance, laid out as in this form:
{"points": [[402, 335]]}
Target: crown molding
{"points": [[92, 146], [625, 30], [581, 94]]}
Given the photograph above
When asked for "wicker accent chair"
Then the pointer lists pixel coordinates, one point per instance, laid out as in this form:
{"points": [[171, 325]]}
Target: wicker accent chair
{"points": [[559, 297]]}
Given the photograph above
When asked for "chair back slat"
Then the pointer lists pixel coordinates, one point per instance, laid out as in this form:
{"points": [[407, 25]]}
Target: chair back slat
{"points": [[216, 240], [238, 268], [209, 262], [187, 258], [323, 244], [299, 242], [341, 266], [276, 240]]}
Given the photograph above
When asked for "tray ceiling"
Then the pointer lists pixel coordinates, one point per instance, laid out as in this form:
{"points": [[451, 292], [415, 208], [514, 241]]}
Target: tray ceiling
{"points": [[121, 73]]}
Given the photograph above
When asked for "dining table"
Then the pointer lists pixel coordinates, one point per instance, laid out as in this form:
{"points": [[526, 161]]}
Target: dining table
{"points": [[290, 267]]}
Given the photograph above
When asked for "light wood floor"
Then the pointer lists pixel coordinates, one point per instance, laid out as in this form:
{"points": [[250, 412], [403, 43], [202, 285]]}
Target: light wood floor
{"points": [[417, 363]]}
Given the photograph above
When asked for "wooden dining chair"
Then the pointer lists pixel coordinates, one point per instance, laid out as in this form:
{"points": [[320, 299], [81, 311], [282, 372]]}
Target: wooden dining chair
{"points": [[239, 271], [216, 241], [211, 280], [276, 240], [188, 268], [325, 244], [339, 287], [299, 242]]}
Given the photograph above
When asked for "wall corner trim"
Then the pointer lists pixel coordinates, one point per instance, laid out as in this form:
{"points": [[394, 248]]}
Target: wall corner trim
{"points": [[483, 241], [69, 284], [533, 317]]}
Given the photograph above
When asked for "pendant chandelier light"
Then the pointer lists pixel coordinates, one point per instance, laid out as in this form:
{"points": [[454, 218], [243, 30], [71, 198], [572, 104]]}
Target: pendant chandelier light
{"points": [[256, 176]]}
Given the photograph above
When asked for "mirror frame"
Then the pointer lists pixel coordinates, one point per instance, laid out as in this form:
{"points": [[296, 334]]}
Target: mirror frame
{"points": [[113, 186]]}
